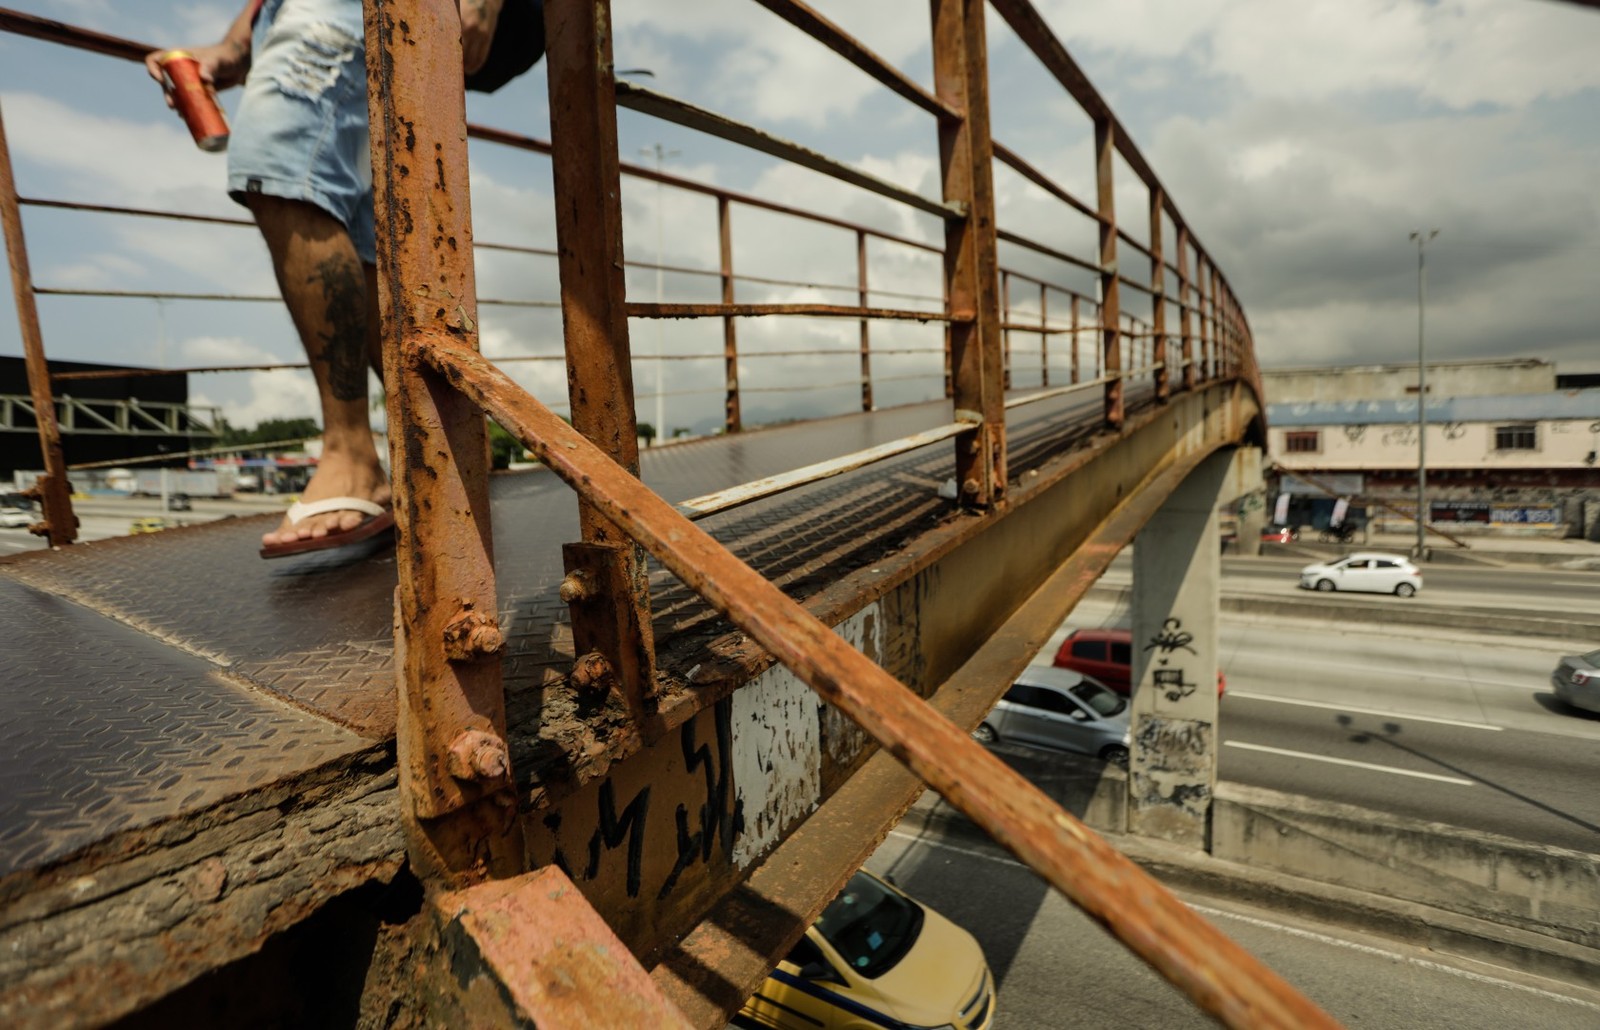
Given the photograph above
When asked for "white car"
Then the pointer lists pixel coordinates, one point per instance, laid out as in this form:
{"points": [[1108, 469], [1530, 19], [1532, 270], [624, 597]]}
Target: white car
{"points": [[1367, 571], [15, 518]]}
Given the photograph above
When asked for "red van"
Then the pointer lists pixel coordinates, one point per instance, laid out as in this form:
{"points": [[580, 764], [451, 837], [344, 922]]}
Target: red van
{"points": [[1107, 655]]}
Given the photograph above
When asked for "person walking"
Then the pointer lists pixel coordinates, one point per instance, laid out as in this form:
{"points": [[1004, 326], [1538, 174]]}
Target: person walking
{"points": [[299, 160]]}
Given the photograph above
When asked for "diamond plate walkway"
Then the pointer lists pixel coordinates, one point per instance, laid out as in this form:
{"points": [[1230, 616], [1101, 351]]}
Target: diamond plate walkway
{"points": [[160, 693]]}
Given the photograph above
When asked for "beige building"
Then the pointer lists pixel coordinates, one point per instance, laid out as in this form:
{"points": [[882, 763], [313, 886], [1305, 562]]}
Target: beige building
{"points": [[1507, 450]]}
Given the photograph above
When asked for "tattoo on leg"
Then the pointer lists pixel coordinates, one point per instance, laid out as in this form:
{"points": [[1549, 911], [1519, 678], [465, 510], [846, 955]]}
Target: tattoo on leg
{"points": [[344, 345]]}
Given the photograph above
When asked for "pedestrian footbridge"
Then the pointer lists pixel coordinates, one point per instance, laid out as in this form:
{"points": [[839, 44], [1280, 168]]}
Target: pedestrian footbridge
{"points": [[697, 682]]}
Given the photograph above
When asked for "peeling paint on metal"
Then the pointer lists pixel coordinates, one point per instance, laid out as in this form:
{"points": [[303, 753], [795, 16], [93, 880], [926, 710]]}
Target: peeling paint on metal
{"points": [[777, 759]]}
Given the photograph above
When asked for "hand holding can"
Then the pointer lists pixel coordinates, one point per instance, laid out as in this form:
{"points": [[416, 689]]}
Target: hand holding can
{"points": [[195, 100]]}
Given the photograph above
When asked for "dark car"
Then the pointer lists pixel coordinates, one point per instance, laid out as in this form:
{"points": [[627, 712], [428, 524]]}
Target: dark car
{"points": [[179, 502], [1577, 680], [1107, 655]]}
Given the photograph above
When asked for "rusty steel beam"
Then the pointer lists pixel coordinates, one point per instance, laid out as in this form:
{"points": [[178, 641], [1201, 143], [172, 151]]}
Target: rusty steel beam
{"points": [[71, 36], [842, 43], [1158, 290], [136, 212], [966, 165], [1007, 236], [60, 525], [609, 595], [537, 146], [455, 767], [1031, 28], [1110, 282], [1217, 974], [650, 309], [670, 109], [1011, 159], [732, 416]]}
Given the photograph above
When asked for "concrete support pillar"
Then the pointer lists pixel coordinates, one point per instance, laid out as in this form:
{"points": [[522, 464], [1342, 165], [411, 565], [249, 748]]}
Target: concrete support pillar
{"points": [[1252, 494], [1172, 770]]}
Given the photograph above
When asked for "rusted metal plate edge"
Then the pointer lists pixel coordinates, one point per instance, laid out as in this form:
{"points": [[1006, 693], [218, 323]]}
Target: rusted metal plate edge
{"points": [[132, 918], [721, 962], [557, 961]]}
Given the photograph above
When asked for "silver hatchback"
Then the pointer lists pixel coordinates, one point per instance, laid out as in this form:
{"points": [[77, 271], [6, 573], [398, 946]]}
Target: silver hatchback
{"points": [[1577, 680], [1060, 709]]}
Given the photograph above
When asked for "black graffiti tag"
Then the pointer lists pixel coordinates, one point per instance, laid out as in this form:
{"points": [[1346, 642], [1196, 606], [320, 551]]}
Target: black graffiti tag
{"points": [[718, 820]]}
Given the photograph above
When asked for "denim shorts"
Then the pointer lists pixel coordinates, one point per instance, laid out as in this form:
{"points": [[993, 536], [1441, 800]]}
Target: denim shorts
{"points": [[300, 132]]}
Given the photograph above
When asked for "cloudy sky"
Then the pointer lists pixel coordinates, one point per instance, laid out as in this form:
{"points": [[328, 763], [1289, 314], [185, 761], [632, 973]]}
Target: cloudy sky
{"points": [[1303, 142]]}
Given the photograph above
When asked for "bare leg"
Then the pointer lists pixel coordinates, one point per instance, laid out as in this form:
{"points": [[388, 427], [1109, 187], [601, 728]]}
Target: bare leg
{"points": [[330, 296]]}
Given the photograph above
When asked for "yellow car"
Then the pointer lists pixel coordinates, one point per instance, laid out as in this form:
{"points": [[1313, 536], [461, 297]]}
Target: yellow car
{"points": [[149, 524], [877, 958]]}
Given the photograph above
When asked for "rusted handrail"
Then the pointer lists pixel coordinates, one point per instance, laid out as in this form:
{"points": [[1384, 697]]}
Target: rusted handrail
{"points": [[1220, 976]]}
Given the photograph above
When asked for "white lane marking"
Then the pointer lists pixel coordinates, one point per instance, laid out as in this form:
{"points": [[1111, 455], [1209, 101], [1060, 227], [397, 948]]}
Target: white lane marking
{"points": [[1247, 695], [1346, 761], [1367, 949], [1214, 913], [1541, 681]]}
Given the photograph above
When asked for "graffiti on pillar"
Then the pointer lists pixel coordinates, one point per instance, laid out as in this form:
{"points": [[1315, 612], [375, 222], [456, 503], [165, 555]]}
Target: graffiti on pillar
{"points": [[1168, 679], [1172, 684]]}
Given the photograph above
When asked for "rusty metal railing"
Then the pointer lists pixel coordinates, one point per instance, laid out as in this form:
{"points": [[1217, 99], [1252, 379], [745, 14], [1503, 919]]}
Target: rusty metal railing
{"points": [[412, 50], [458, 786]]}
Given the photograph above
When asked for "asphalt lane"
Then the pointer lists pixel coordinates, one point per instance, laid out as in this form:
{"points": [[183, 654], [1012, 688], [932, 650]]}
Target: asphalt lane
{"points": [[1436, 724], [1056, 968]]}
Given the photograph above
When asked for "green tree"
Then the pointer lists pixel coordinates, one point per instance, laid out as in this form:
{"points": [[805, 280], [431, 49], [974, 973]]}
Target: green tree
{"points": [[503, 447], [647, 433]]}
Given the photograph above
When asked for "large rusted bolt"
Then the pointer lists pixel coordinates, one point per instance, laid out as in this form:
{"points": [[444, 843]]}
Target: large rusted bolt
{"points": [[478, 755], [970, 488], [578, 586], [471, 636], [591, 673]]}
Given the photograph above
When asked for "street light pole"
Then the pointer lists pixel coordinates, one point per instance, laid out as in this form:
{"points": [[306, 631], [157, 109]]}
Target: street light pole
{"points": [[1422, 395], [661, 153]]}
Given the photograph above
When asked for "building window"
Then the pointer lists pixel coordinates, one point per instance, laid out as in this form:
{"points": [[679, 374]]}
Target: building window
{"points": [[1516, 438], [1305, 441]]}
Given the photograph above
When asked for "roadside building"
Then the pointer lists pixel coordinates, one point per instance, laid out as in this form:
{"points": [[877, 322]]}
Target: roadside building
{"points": [[1511, 447]]}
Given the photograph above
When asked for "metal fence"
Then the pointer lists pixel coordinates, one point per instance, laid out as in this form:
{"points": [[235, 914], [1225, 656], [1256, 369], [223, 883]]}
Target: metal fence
{"points": [[1000, 325]]}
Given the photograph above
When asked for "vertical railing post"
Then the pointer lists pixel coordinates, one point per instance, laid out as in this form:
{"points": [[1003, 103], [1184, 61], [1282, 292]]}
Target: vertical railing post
{"points": [[54, 492], [966, 157], [1185, 326], [732, 416], [455, 767], [1044, 335], [1218, 329], [866, 329], [1105, 148], [1158, 294], [1077, 321], [606, 588], [1202, 305], [1005, 330]]}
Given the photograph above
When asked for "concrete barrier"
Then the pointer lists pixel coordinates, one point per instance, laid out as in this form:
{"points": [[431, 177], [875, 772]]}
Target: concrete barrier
{"points": [[1542, 890]]}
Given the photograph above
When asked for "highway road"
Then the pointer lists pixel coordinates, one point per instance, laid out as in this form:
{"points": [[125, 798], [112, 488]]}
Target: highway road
{"points": [[1056, 968], [1523, 589], [1444, 725]]}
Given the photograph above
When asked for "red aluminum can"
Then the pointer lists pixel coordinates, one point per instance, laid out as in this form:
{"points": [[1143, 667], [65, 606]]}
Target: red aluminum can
{"points": [[195, 100]]}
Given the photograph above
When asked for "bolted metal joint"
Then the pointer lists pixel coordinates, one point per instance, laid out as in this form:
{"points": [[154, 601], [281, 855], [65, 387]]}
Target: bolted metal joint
{"points": [[592, 673], [478, 755], [970, 488], [471, 636], [578, 586]]}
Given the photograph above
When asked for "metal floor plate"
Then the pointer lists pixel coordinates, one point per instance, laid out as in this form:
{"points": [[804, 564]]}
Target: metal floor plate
{"points": [[147, 675]]}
